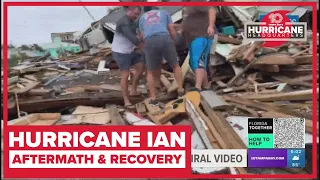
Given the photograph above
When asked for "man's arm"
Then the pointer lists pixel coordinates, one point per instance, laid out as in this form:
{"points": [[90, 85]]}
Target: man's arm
{"points": [[124, 29], [212, 16], [171, 28]]}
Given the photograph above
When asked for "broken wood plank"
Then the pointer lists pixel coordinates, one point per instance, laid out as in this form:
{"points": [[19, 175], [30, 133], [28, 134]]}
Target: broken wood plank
{"points": [[17, 103], [27, 88], [229, 40], [54, 79], [13, 80], [89, 115], [37, 119], [112, 87], [295, 81], [25, 80], [230, 137], [241, 73], [205, 135], [305, 59], [164, 80], [214, 101], [266, 68], [263, 106], [301, 52], [30, 77], [289, 96], [141, 109], [184, 68], [40, 92], [276, 59], [252, 112], [115, 116]]}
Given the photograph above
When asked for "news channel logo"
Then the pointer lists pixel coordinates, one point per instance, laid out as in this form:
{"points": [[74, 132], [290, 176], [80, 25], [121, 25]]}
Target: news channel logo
{"points": [[276, 26]]}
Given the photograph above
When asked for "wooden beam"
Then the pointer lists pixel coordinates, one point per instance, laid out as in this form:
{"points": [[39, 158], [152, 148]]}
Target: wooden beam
{"points": [[141, 109], [289, 96], [295, 81], [115, 117], [276, 59], [263, 106], [165, 81], [27, 88]]}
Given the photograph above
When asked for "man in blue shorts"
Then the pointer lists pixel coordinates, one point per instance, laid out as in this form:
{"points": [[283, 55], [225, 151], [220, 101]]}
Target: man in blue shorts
{"points": [[198, 29], [125, 41], [159, 36]]}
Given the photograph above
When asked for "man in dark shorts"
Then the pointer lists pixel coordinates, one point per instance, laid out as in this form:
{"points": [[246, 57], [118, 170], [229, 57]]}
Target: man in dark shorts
{"points": [[159, 42], [198, 26], [123, 51]]}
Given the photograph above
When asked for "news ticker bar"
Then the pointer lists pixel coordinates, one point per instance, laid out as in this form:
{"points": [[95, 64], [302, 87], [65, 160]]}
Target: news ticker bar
{"points": [[267, 158]]}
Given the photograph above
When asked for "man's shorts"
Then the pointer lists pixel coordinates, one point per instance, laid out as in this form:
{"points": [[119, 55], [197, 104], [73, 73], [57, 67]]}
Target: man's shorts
{"points": [[199, 50], [157, 48], [125, 61]]}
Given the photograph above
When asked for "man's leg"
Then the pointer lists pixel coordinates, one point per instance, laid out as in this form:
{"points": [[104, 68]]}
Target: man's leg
{"points": [[139, 65], [123, 61], [200, 75], [199, 53], [170, 54], [152, 50]]}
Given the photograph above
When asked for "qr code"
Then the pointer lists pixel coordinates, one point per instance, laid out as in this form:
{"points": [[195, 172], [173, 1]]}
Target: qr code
{"points": [[289, 132]]}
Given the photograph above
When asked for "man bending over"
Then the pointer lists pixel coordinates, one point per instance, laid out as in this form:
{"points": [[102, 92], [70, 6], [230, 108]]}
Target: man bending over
{"points": [[123, 51]]}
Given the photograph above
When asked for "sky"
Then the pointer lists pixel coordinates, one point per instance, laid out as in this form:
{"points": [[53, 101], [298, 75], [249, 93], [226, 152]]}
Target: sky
{"points": [[28, 25]]}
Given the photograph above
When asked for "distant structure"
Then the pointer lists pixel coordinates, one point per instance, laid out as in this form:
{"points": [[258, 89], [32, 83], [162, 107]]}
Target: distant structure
{"points": [[67, 37]]}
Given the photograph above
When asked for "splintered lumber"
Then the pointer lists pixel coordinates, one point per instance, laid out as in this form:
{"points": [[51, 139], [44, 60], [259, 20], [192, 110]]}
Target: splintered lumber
{"points": [[219, 126], [99, 99], [40, 92], [301, 52], [141, 109], [89, 115], [115, 117], [13, 80], [229, 40], [209, 135], [273, 114], [230, 137], [37, 119], [295, 81], [263, 106], [290, 96], [112, 87], [164, 80], [184, 68], [30, 77], [304, 59], [241, 73], [206, 136], [203, 124], [27, 88], [266, 68], [214, 101], [244, 108], [155, 109], [276, 59]]}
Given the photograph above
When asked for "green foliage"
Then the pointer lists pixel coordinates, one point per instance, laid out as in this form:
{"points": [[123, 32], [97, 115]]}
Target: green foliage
{"points": [[25, 47], [14, 60], [38, 48]]}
